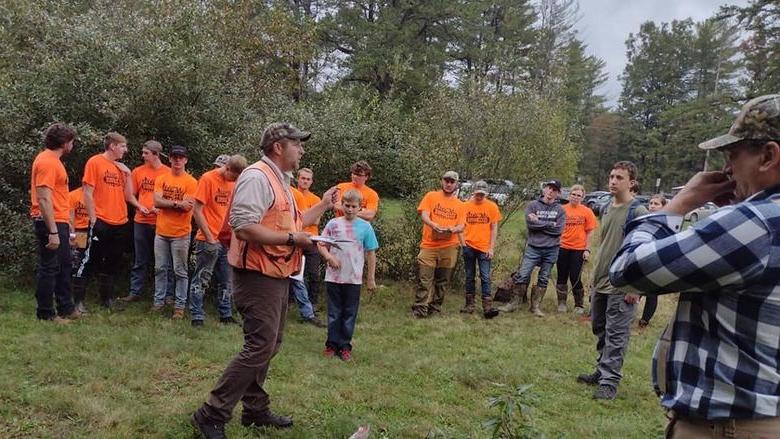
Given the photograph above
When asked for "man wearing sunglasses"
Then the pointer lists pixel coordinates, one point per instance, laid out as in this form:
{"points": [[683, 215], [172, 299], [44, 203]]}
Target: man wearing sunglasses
{"points": [[717, 365]]}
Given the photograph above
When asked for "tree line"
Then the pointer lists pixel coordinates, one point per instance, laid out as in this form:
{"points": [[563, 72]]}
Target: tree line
{"points": [[491, 88]]}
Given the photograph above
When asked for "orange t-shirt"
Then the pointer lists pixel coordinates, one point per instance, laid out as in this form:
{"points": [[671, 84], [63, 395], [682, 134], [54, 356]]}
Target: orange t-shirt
{"points": [[214, 192], [479, 219], [143, 186], [370, 197], [305, 201], [109, 189], [444, 211], [79, 208], [48, 171], [175, 223], [579, 221]]}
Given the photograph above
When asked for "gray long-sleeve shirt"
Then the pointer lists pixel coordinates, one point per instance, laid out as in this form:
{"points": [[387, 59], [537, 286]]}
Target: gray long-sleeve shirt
{"points": [[253, 196], [546, 232]]}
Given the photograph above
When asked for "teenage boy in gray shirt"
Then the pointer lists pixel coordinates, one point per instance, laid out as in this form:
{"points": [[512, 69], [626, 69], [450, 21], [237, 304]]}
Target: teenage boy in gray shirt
{"points": [[545, 219], [611, 309]]}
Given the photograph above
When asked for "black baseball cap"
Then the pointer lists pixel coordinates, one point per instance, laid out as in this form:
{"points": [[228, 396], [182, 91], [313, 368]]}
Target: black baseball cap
{"points": [[178, 150], [554, 183]]}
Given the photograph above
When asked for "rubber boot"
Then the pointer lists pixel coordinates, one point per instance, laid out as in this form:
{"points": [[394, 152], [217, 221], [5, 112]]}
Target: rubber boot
{"points": [[487, 308], [515, 297], [579, 296], [561, 291], [537, 294], [106, 289], [79, 293], [470, 306]]}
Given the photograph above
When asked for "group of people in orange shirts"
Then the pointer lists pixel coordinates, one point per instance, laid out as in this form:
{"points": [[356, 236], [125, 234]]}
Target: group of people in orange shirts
{"points": [[82, 233]]}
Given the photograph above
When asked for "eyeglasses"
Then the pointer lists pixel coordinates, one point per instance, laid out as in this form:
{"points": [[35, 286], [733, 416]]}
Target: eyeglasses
{"points": [[358, 174]]}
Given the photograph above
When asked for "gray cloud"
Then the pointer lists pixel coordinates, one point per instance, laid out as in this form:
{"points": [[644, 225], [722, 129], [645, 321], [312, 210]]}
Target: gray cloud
{"points": [[605, 25]]}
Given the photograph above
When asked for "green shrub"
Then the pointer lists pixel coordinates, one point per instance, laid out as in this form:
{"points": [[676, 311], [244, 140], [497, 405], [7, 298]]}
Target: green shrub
{"points": [[399, 240]]}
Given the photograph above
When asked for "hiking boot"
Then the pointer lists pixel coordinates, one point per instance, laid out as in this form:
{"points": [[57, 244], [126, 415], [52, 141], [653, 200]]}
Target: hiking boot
{"points": [[178, 314], [228, 321], [329, 352], [419, 313], [589, 378], [267, 419], [578, 310], [605, 392], [131, 298], [488, 311], [170, 301], [197, 323], [81, 308], [75, 314], [561, 292], [58, 320], [579, 298], [208, 430], [157, 308], [315, 321], [470, 306], [537, 294], [345, 355], [518, 292]]}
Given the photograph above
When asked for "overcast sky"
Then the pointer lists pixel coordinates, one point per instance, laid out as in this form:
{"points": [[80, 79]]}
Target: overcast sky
{"points": [[605, 25]]}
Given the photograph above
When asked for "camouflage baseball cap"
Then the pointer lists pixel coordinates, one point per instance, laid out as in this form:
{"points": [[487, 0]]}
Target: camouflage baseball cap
{"points": [[480, 187], [282, 130], [759, 119]]}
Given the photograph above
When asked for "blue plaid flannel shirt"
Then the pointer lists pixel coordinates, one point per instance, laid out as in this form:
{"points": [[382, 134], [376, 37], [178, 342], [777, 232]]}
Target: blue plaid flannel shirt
{"points": [[725, 344]]}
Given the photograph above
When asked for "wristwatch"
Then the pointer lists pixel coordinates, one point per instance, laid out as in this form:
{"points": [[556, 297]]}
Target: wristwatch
{"points": [[290, 240]]}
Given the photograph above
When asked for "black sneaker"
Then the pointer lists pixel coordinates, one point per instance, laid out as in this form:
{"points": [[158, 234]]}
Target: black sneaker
{"points": [[315, 321], [267, 419], [490, 313], [228, 321], [605, 392], [589, 378], [208, 430], [197, 323]]}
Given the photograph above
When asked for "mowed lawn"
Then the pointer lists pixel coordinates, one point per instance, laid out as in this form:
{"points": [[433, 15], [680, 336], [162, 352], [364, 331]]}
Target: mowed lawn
{"points": [[135, 374]]}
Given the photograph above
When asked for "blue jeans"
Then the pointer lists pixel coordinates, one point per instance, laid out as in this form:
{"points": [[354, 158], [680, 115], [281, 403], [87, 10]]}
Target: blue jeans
{"points": [[301, 295], [171, 253], [210, 258], [143, 259], [343, 302], [542, 257], [471, 259]]}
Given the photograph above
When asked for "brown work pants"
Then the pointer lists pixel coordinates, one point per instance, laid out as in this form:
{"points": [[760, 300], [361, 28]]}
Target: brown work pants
{"points": [[689, 428], [435, 273], [262, 302]]}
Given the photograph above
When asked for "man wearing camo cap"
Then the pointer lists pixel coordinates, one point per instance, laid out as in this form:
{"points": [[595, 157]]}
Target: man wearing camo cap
{"points": [[717, 365], [264, 250]]}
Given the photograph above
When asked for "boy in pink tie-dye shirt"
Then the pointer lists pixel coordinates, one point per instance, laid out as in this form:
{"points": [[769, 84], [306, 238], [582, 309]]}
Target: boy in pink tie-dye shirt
{"points": [[344, 274]]}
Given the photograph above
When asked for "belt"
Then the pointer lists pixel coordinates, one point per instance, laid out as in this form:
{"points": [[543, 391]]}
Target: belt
{"points": [[728, 426]]}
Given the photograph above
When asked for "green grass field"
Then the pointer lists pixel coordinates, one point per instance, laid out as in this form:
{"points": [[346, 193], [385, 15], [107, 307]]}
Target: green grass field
{"points": [[133, 374]]}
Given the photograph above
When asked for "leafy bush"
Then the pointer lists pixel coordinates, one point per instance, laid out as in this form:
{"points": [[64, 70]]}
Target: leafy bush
{"points": [[17, 257], [399, 240]]}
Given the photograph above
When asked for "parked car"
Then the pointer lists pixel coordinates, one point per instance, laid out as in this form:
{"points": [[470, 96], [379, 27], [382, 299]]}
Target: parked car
{"points": [[701, 213], [498, 190], [599, 203], [591, 197]]}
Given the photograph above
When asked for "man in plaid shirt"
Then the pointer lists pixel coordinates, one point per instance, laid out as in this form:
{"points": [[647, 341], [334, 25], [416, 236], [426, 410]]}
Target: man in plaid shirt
{"points": [[717, 366]]}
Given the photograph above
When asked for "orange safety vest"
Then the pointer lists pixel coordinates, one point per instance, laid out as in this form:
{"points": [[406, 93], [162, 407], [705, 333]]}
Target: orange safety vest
{"points": [[277, 261]]}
